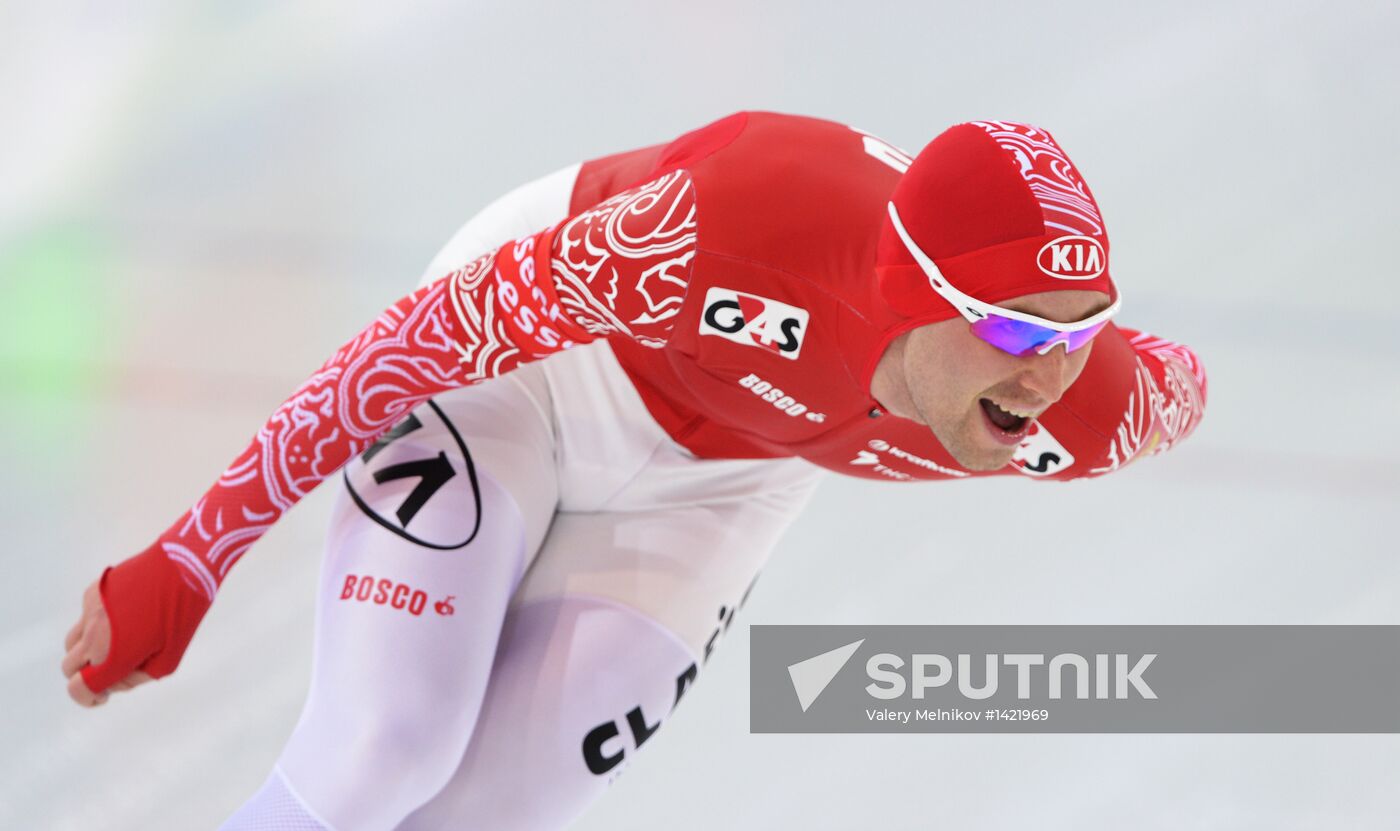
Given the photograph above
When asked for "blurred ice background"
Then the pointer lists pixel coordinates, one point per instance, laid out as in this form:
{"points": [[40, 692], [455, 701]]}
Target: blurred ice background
{"points": [[198, 201]]}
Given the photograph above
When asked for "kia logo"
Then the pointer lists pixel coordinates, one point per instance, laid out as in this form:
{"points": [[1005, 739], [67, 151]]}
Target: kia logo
{"points": [[1072, 258]]}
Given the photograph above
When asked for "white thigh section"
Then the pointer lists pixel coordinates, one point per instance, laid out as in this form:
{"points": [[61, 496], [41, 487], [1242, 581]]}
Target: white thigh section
{"points": [[605, 434], [619, 612], [687, 568], [644, 522], [428, 542], [531, 207], [579, 685]]}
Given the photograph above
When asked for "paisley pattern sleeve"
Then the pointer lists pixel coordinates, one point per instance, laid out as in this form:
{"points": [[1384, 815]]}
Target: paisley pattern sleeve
{"points": [[1165, 403], [1138, 395], [619, 267], [622, 267]]}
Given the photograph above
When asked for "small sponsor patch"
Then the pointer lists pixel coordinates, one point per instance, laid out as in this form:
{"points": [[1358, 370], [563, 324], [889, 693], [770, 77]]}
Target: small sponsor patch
{"points": [[782, 401], [1040, 454], [754, 321], [420, 467], [390, 593]]}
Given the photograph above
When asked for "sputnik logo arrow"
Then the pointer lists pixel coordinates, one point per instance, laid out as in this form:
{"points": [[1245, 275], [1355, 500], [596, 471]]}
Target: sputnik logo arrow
{"points": [[811, 677]]}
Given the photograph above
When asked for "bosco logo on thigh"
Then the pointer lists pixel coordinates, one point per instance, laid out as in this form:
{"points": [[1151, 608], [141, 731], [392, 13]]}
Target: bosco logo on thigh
{"points": [[382, 591]]}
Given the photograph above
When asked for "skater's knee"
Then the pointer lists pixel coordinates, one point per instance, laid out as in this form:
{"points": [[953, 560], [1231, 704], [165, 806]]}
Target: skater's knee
{"points": [[418, 755], [379, 771]]}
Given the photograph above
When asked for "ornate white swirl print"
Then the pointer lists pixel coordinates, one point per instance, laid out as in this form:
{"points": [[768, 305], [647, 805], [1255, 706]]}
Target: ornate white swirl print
{"points": [[623, 265], [405, 356], [1157, 418], [1064, 197], [483, 343]]}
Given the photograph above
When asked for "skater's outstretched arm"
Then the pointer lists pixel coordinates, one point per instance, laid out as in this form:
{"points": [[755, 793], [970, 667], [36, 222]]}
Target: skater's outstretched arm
{"points": [[618, 268]]}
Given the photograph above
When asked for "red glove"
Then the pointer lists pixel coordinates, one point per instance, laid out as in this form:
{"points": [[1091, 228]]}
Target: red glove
{"points": [[153, 613]]}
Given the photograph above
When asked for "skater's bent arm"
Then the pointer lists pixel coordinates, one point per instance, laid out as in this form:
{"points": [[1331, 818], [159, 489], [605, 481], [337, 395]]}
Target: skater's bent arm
{"points": [[1139, 395]]}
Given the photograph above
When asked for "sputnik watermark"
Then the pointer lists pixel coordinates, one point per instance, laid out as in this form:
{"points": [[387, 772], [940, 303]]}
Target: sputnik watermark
{"points": [[935, 670], [1075, 679]]}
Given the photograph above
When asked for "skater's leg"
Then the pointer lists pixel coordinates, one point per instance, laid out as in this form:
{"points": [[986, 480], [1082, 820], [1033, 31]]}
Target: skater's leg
{"points": [[427, 544], [610, 630]]}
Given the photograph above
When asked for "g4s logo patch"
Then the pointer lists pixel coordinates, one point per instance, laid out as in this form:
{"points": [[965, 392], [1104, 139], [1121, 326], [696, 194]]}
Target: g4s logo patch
{"points": [[751, 320]]}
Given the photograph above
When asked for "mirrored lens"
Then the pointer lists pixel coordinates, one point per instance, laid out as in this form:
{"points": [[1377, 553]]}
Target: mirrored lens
{"points": [[1074, 340], [1021, 338]]}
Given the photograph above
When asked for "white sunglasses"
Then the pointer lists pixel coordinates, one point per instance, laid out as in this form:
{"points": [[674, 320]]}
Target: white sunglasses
{"points": [[1015, 332]]}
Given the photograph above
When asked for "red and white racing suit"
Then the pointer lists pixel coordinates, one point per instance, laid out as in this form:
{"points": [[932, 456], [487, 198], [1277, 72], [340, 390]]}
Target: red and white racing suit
{"points": [[527, 572]]}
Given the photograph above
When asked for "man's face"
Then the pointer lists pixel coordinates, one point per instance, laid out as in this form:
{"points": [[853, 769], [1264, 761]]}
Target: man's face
{"points": [[962, 387]]}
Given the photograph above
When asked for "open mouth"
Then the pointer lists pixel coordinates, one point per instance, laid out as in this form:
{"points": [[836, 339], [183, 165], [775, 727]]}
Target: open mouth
{"points": [[1005, 426]]}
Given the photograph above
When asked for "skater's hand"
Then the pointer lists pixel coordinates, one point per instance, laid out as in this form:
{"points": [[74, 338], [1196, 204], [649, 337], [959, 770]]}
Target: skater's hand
{"points": [[88, 643], [137, 620]]}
